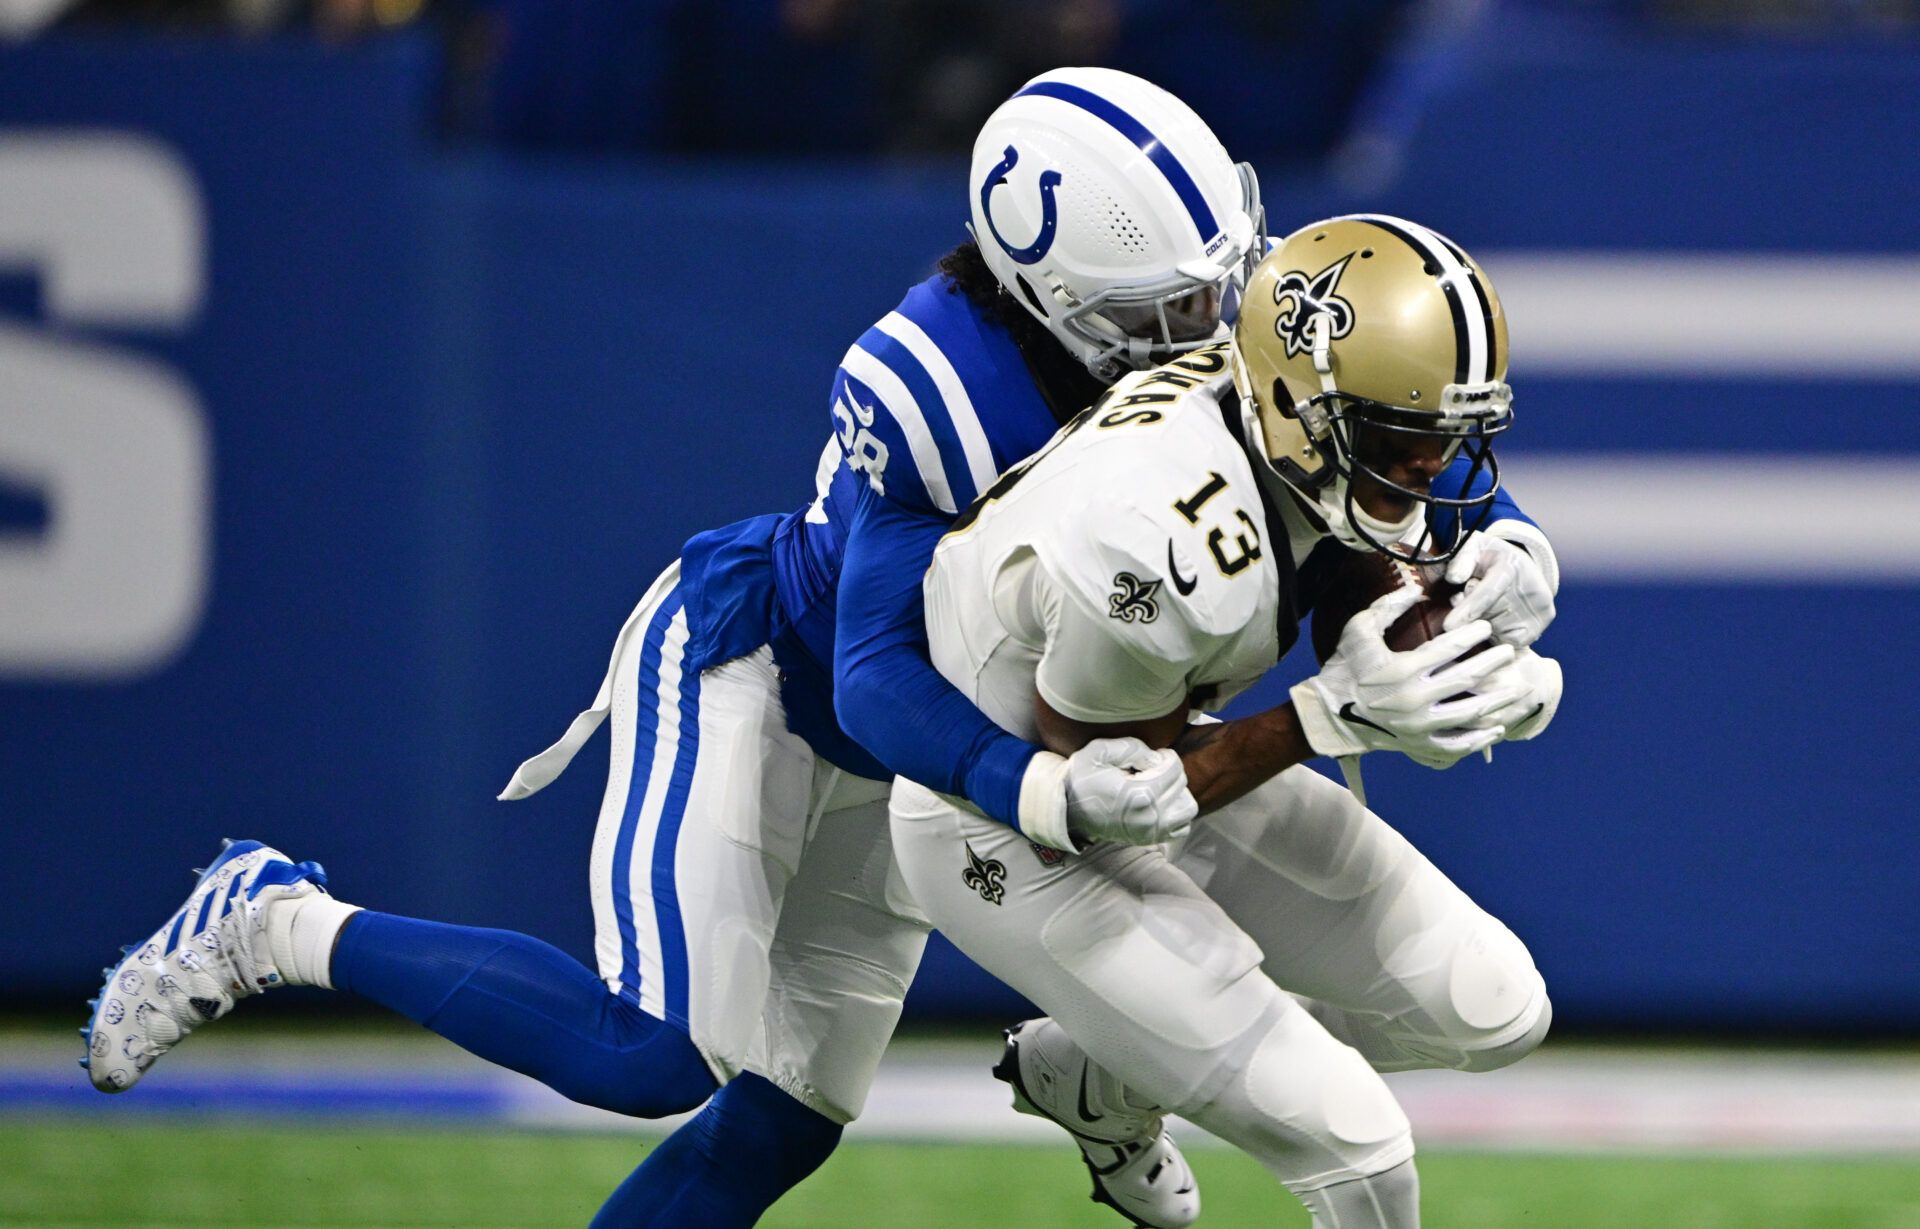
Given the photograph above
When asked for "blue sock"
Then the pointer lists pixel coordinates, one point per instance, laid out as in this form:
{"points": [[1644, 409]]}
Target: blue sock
{"points": [[751, 1145], [523, 1004]]}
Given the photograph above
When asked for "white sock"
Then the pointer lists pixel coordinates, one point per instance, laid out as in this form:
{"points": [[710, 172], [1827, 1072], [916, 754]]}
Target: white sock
{"points": [[301, 933]]}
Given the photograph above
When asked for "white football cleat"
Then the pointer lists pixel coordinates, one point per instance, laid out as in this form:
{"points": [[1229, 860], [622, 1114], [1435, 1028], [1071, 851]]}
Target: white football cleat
{"points": [[1137, 1168], [207, 956]]}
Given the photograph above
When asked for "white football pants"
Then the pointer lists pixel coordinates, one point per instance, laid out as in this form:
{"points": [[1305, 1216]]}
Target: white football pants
{"points": [[743, 888], [1178, 970]]}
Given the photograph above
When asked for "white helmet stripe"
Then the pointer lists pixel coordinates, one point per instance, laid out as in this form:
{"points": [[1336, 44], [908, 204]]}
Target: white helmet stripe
{"points": [[1127, 126], [1486, 306], [1472, 313]]}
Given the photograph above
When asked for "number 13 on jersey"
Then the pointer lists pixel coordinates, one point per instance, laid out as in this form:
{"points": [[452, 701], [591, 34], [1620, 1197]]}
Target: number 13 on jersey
{"points": [[1245, 548]]}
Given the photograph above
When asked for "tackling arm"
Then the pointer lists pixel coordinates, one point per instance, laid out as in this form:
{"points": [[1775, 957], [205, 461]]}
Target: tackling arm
{"points": [[887, 693], [1102, 678], [891, 699]]}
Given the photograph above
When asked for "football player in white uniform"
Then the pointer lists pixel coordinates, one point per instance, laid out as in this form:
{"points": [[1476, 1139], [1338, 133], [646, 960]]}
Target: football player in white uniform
{"points": [[1257, 973]]}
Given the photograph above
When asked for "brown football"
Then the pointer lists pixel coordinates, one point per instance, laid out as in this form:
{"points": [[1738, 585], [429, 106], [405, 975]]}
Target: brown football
{"points": [[1362, 577]]}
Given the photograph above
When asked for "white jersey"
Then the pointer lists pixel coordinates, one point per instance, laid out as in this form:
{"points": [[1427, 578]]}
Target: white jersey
{"points": [[1124, 572]]}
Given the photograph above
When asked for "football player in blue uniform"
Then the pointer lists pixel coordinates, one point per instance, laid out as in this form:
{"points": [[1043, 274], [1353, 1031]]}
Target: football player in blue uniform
{"points": [[754, 938]]}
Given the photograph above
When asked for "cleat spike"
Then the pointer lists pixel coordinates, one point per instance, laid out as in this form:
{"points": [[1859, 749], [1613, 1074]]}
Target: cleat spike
{"points": [[226, 843], [85, 1065], [198, 871], [126, 949], [93, 1002], [106, 972]]}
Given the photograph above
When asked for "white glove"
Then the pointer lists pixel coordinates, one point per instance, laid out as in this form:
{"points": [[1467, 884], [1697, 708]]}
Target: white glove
{"points": [[1121, 790], [1531, 684], [1369, 698], [1535, 683], [1503, 584], [1112, 789]]}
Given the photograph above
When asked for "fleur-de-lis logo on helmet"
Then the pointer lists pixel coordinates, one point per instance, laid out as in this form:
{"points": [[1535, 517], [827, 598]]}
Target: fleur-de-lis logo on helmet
{"points": [[986, 876], [1311, 296], [1132, 599]]}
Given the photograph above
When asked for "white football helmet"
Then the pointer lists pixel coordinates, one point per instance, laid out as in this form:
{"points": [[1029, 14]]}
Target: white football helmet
{"points": [[1111, 212]]}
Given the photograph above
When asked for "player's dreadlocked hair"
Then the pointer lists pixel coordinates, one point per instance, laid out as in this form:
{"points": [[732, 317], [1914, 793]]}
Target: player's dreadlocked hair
{"points": [[1063, 379]]}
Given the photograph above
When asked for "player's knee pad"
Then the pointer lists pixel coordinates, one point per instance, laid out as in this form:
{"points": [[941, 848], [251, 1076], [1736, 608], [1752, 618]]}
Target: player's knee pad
{"points": [[1494, 1054], [1496, 1010], [1478, 1006], [1308, 1107], [827, 1021]]}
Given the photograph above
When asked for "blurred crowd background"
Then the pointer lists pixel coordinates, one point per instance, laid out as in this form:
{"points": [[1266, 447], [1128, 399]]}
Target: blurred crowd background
{"points": [[361, 361], [805, 78]]}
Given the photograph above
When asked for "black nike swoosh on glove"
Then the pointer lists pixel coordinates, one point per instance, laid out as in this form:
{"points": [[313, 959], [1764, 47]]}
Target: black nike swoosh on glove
{"points": [[1347, 713]]}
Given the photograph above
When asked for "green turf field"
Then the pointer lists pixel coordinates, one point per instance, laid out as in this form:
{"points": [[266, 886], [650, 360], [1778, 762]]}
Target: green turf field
{"points": [[74, 1174]]}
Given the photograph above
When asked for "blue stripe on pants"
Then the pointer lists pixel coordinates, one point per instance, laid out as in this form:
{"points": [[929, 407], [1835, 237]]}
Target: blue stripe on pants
{"points": [[645, 734], [666, 897]]}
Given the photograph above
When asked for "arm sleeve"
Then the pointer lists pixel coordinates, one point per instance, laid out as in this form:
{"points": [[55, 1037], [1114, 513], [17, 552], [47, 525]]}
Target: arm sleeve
{"points": [[887, 693], [1505, 521], [1454, 483]]}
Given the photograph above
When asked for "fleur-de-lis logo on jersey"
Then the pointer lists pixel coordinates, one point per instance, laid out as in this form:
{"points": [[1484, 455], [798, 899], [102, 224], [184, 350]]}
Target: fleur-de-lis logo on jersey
{"points": [[986, 876], [1132, 599], [1311, 297]]}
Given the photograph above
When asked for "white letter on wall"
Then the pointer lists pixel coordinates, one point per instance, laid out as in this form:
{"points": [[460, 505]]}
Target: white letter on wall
{"points": [[115, 442]]}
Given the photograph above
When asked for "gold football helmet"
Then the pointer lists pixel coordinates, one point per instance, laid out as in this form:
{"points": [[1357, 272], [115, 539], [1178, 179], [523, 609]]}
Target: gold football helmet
{"points": [[1368, 338]]}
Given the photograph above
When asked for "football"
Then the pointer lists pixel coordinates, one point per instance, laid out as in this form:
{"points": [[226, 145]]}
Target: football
{"points": [[1362, 577]]}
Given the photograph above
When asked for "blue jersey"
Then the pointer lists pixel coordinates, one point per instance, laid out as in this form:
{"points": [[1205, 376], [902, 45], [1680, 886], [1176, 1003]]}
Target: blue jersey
{"points": [[927, 408]]}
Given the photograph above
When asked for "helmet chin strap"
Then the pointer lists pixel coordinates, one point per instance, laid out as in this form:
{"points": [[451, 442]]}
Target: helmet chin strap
{"points": [[1328, 500], [1331, 499], [1322, 326], [1355, 530], [1105, 367], [1386, 531]]}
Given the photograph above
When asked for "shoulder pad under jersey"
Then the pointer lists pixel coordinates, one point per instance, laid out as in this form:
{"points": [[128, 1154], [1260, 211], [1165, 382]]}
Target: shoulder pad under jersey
{"points": [[932, 399], [1163, 493]]}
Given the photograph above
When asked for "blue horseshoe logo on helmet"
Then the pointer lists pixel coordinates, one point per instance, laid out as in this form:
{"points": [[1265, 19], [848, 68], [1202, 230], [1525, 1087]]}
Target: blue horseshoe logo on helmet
{"points": [[1049, 211]]}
